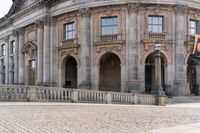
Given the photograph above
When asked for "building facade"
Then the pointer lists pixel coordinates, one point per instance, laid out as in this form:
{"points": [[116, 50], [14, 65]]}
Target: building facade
{"points": [[100, 45]]}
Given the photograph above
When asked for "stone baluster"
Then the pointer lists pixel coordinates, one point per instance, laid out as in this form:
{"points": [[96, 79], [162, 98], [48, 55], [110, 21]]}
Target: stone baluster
{"points": [[180, 67], [85, 48], [21, 56], [16, 57], [40, 33], [46, 54], [132, 44]]}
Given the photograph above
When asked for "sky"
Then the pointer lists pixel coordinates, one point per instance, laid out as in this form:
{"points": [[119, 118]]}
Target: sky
{"points": [[4, 7]]}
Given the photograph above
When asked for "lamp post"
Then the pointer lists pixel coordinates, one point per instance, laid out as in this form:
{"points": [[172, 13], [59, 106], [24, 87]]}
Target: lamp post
{"points": [[160, 94]]}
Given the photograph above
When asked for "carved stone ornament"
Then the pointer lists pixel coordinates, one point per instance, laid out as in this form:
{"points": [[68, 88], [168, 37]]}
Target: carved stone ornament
{"points": [[181, 9], [48, 2], [15, 33], [21, 31], [30, 50], [85, 12], [39, 23], [46, 20], [109, 46], [133, 7], [149, 44]]}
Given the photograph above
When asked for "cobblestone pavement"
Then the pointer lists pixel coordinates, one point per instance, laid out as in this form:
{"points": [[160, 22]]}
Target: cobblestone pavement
{"points": [[91, 118]]}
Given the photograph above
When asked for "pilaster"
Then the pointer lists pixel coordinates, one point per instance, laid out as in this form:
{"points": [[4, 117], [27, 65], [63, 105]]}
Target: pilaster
{"points": [[16, 56], [21, 56], [40, 63], [46, 54]]}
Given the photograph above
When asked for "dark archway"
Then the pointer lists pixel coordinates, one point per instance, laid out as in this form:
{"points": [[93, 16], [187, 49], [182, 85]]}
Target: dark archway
{"points": [[70, 73], [110, 73], [191, 78], [150, 72]]}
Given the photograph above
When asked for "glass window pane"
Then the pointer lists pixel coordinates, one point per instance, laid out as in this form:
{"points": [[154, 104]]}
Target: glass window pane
{"points": [[155, 20], [115, 30], [160, 20], [115, 21]]}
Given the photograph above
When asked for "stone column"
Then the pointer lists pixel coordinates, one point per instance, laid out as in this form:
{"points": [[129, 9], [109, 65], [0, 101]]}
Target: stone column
{"points": [[133, 84], [180, 68], [16, 57], [1, 74], [39, 24], [26, 69], [54, 52], [85, 48], [7, 60], [21, 56], [46, 56]]}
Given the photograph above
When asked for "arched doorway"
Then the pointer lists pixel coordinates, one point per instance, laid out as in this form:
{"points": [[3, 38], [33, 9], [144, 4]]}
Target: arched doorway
{"points": [[150, 72], [191, 78], [110, 73], [70, 73]]}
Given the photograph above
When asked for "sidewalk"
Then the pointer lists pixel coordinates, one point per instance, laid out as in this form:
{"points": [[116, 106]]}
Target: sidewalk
{"points": [[190, 128]]}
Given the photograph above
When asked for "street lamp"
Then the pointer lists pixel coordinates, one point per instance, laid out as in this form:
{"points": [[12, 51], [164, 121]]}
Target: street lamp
{"points": [[160, 94]]}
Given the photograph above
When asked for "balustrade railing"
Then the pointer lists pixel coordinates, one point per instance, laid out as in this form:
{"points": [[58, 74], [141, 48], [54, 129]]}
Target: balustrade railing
{"points": [[111, 37], [157, 36], [14, 93], [55, 94]]}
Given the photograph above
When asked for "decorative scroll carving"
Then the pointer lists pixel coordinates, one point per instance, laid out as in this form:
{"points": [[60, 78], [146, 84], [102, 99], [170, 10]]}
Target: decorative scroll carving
{"points": [[85, 12], [181, 9], [133, 7]]}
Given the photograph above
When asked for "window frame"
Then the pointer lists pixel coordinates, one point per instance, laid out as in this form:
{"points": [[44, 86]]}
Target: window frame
{"points": [[72, 31], [12, 47], [112, 26], [192, 28], [157, 24]]}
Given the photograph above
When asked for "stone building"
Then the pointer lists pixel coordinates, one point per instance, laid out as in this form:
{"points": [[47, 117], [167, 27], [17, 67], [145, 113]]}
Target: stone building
{"points": [[103, 45]]}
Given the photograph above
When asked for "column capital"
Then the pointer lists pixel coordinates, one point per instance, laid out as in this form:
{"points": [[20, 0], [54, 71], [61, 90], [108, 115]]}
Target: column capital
{"points": [[6, 38], [54, 21], [181, 9], [15, 33], [85, 12], [46, 20], [39, 23], [133, 7], [21, 31]]}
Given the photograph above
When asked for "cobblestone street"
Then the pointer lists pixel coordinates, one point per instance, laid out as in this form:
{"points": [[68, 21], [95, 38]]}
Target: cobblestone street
{"points": [[88, 118]]}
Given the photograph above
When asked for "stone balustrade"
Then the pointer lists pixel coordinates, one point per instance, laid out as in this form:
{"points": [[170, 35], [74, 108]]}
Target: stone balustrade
{"points": [[157, 36], [14, 93], [112, 37], [55, 94]]}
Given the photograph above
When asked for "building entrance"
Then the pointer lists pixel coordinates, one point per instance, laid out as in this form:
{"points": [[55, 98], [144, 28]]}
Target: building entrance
{"points": [[110, 73], [70, 73], [150, 72]]}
